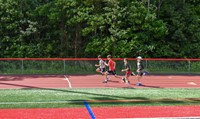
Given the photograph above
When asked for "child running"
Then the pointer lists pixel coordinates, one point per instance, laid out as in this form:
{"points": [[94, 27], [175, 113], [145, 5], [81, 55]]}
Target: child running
{"points": [[127, 70], [101, 66], [111, 64], [140, 71]]}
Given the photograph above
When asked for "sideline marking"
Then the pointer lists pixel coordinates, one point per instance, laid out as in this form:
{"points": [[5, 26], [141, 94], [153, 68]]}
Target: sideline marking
{"points": [[89, 110], [191, 83], [70, 86], [42, 102]]}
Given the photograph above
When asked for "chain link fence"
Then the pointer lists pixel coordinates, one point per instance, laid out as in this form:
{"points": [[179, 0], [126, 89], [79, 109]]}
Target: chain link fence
{"points": [[87, 66]]}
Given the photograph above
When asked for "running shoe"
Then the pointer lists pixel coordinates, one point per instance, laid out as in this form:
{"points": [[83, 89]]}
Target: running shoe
{"points": [[145, 73], [132, 74], [139, 84], [105, 81], [108, 79], [124, 80]]}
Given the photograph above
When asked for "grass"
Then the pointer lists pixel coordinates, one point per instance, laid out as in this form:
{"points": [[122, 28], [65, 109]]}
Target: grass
{"points": [[55, 98]]}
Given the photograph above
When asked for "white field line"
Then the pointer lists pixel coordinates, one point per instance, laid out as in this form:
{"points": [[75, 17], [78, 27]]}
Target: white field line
{"points": [[191, 83], [70, 86], [170, 77], [41, 102]]}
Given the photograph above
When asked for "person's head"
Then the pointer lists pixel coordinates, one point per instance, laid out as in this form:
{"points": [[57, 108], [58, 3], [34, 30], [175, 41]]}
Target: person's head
{"points": [[125, 60], [99, 57], [139, 58], [109, 57]]}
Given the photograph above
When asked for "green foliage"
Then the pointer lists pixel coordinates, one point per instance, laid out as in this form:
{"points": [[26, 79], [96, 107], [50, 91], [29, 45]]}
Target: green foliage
{"points": [[10, 23], [85, 28], [126, 30], [183, 38]]}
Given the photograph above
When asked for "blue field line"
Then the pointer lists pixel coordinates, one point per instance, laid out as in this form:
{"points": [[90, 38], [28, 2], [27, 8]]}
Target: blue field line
{"points": [[89, 110]]}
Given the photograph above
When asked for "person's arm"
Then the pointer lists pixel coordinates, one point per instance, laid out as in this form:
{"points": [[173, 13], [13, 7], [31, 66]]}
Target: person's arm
{"points": [[124, 70], [114, 63], [106, 63], [98, 65], [127, 68]]}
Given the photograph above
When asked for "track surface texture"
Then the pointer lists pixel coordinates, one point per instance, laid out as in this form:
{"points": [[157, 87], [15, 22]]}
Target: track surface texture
{"points": [[95, 81]]}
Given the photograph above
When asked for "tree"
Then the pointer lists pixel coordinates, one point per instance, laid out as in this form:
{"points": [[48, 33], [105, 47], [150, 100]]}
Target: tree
{"points": [[19, 36], [10, 28], [125, 31], [184, 36], [62, 21]]}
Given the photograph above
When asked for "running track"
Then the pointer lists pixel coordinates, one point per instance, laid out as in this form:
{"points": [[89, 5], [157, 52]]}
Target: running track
{"points": [[95, 81], [103, 112]]}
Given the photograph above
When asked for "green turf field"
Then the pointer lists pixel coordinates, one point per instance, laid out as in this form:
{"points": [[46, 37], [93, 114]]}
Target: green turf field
{"points": [[52, 98]]}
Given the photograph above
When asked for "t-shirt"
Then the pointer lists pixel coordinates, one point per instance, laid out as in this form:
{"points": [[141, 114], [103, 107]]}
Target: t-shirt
{"points": [[101, 63], [111, 65], [140, 66], [127, 66]]}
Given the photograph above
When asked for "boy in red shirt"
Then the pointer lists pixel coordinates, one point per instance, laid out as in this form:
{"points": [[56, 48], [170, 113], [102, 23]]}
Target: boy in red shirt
{"points": [[111, 64]]}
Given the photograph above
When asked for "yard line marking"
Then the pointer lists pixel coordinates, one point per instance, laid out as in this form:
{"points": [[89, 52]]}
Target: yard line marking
{"points": [[70, 86], [89, 110], [191, 83]]}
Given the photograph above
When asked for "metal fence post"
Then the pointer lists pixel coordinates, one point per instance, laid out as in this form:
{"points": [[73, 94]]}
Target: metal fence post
{"points": [[64, 67], [22, 67], [146, 64], [189, 67]]}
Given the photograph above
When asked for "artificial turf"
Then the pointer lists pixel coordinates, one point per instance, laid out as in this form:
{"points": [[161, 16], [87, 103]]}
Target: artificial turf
{"points": [[55, 98]]}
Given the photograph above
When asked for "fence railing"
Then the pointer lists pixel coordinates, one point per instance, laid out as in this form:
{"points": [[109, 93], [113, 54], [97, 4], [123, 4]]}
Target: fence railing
{"points": [[87, 65]]}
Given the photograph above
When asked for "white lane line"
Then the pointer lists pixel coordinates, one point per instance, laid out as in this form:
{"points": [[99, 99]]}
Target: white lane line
{"points": [[70, 86], [170, 77], [41, 102], [191, 83]]}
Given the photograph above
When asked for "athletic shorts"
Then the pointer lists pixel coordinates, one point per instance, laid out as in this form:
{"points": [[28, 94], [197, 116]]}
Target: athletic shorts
{"points": [[112, 72], [102, 70], [128, 73], [140, 73]]}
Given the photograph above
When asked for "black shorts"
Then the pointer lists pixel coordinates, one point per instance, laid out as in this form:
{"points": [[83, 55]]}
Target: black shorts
{"points": [[102, 70], [111, 72], [140, 73]]}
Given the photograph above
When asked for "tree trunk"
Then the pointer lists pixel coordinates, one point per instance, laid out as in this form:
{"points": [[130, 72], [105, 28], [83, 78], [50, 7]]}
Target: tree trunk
{"points": [[77, 41], [159, 4], [64, 41]]}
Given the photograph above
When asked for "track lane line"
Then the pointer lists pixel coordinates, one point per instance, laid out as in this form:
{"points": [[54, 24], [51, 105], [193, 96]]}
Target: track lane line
{"points": [[70, 86], [191, 83]]}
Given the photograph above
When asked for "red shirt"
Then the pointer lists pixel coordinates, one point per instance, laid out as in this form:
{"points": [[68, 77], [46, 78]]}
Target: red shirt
{"points": [[111, 65]]}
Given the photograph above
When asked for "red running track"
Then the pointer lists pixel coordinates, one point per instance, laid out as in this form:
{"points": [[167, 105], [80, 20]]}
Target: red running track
{"points": [[95, 81], [147, 112], [103, 112]]}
